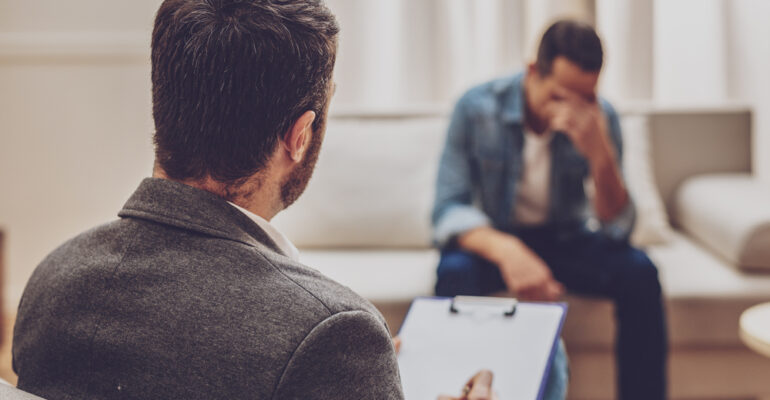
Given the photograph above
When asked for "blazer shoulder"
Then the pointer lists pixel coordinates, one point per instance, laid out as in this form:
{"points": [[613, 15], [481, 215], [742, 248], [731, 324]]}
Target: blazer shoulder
{"points": [[332, 295]]}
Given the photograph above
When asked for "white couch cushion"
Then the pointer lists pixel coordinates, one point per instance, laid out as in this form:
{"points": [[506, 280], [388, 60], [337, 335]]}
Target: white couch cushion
{"points": [[382, 276], [373, 186], [704, 295], [730, 214], [652, 227]]}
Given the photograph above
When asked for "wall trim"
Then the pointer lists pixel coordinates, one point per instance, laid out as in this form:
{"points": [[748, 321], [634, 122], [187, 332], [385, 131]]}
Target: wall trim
{"points": [[431, 110], [88, 47]]}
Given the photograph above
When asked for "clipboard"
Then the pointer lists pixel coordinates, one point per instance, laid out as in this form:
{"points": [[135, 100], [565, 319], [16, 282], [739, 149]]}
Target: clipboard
{"points": [[446, 340]]}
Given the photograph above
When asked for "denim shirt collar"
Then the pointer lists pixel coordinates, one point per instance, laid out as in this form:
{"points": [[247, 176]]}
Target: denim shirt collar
{"points": [[511, 93]]}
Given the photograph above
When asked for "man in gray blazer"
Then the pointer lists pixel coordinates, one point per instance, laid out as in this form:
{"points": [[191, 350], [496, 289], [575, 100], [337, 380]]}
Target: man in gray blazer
{"points": [[192, 294]]}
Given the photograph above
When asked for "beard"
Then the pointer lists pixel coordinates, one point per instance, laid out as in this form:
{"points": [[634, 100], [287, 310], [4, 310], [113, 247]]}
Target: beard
{"points": [[294, 184]]}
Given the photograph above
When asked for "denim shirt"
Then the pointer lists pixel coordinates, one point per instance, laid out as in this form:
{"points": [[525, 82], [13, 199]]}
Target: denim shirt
{"points": [[482, 163]]}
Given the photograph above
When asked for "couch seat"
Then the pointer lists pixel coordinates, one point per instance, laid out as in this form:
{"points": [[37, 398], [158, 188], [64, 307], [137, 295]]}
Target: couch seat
{"points": [[705, 296]]}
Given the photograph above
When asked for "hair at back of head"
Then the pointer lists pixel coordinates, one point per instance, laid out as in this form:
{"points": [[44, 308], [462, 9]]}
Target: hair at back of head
{"points": [[230, 77], [576, 41]]}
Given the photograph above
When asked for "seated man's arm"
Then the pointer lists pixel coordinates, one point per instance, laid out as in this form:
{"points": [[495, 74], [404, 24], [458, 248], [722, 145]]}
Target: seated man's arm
{"points": [[523, 271], [453, 211], [456, 220], [594, 130], [616, 204], [347, 356]]}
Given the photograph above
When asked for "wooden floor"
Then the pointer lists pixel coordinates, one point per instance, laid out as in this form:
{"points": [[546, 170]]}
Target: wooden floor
{"points": [[6, 372]]}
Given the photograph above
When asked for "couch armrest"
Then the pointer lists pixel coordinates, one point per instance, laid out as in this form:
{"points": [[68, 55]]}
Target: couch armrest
{"points": [[729, 214], [690, 143]]}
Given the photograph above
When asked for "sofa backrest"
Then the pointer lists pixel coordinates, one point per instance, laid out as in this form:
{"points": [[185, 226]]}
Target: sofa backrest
{"points": [[374, 182], [373, 185], [686, 143]]}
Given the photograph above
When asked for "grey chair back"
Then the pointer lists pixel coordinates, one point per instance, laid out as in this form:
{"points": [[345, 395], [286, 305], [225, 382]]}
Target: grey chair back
{"points": [[8, 392]]}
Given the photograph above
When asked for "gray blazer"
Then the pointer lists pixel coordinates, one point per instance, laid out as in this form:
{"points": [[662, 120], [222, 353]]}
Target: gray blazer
{"points": [[185, 297]]}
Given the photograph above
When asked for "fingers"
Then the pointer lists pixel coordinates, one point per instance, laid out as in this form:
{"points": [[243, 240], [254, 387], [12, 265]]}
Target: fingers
{"points": [[528, 276], [537, 287], [554, 290], [562, 118], [572, 114], [481, 386], [397, 344], [562, 122], [567, 95], [542, 293]]}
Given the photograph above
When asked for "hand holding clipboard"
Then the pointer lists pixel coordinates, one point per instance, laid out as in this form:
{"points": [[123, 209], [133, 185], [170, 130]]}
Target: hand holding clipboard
{"points": [[479, 387], [445, 340]]}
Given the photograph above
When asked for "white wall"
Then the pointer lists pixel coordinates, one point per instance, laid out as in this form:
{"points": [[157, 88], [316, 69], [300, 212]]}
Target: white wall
{"points": [[539, 14], [75, 121], [748, 65], [396, 54], [626, 29], [692, 53], [689, 44]]}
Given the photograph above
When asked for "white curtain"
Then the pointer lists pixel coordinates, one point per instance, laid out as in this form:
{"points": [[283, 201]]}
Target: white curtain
{"points": [[400, 54], [627, 31], [690, 42], [665, 51]]}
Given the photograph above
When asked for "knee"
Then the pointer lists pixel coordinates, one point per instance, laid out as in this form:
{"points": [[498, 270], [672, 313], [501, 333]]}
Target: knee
{"points": [[641, 277], [457, 274], [456, 262]]}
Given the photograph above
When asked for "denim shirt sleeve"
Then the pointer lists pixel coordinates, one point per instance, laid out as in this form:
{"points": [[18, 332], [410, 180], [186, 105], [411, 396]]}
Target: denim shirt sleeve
{"points": [[453, 210], [620, 227]]}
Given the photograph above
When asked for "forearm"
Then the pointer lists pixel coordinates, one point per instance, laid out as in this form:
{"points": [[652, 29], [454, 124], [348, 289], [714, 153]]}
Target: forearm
{"points": [[488, 243], [611, 196], [522, 271]]}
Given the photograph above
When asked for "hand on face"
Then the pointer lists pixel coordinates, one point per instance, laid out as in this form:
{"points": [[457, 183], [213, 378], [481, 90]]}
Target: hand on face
{"points": [[581, 120]]}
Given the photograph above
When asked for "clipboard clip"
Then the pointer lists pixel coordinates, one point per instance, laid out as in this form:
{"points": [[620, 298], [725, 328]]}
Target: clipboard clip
{"points": [[508, 303]]}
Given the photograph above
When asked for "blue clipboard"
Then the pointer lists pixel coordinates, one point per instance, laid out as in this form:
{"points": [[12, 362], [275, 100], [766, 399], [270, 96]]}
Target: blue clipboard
{"points": [[445, 340]]}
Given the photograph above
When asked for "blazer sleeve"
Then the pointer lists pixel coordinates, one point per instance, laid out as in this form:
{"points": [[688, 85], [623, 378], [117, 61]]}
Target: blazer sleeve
{"points": [[348, 355]]}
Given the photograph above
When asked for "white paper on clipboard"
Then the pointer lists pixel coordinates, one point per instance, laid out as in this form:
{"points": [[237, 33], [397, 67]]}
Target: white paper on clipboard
{"points": [[441, 350]]}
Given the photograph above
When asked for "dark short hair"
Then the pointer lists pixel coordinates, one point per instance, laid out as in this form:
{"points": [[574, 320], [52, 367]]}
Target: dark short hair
{"points": [[230, 77], [577, 41]]}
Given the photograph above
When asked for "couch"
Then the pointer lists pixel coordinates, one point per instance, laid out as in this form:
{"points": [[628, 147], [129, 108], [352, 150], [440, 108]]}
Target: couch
{"points": [[364, 221]]}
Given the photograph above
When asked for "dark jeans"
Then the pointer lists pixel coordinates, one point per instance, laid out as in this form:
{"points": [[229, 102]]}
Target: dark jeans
{"points": [[589, 264]]}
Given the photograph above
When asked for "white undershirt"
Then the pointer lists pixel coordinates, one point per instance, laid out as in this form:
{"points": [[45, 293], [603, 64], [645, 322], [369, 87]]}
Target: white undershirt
{"points": [[533, 189], [283, 243]]}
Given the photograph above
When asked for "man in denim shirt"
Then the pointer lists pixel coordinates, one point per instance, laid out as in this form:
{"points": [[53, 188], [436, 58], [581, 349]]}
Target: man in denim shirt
{"points": [[512, 211]]}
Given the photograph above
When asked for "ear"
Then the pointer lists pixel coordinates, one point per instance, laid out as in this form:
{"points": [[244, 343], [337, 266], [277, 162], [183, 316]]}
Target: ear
{"points": [[532, 70], [297, 139]]}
